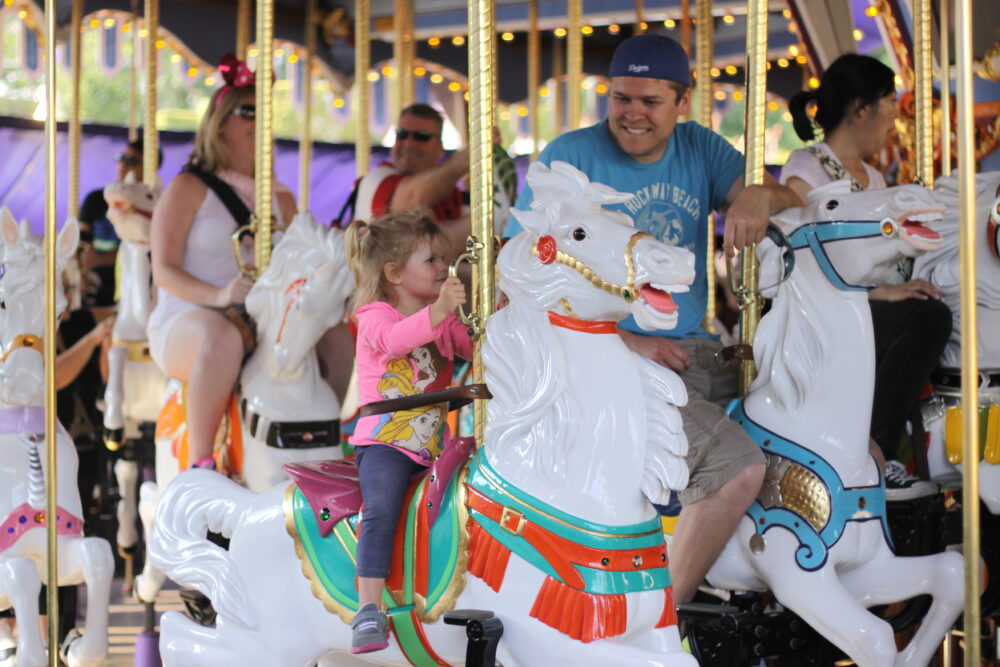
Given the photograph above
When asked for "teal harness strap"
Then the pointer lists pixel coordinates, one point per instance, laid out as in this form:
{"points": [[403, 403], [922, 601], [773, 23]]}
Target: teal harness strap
{"points": [[484, 479], [862, 503], [814, 234]]}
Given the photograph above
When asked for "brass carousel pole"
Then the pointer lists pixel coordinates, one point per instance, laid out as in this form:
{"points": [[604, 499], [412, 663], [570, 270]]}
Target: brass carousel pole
{"points": [[534, 74], [923, 76], [133, 79], [75, 37], [686, 25], [640, 19], [362, 63], [305, 143], [557, 83], [574, 61], [482, 60], [403, 53], [970, 362], [263, 138], [150, 137], [49, 345], [944, 62], [703, 68], [242, 28], [756, 85]]}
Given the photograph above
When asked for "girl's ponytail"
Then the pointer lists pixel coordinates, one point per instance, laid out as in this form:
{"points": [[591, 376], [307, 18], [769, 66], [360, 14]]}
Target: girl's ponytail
{"points": [[354, 234], [801, 121]]}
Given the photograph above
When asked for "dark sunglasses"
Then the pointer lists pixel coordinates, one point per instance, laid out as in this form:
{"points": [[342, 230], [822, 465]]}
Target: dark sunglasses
{"points": [[418, 135], [128, 160], [246, 111]]}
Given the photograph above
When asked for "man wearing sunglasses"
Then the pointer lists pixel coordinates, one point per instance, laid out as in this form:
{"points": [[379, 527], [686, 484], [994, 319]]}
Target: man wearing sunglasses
{"points": [[97, 234], [417, 176], [679, 172]]}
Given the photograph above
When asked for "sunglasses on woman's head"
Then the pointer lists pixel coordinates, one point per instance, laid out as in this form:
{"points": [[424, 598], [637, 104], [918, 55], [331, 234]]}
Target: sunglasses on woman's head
{"points": [[418, 135], [246, 111], [128, 160]]}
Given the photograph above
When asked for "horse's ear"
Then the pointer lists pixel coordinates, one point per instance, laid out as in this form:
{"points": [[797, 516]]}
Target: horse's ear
{"points": [[68, 239], [129, 178], [11, 233], [25, 230]]}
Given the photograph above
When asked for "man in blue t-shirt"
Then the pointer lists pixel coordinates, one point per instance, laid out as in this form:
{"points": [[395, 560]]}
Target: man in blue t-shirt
{"points": [[678, 174]]}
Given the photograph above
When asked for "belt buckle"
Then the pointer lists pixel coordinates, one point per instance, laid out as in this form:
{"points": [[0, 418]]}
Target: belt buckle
{"points": [[505, 517]]}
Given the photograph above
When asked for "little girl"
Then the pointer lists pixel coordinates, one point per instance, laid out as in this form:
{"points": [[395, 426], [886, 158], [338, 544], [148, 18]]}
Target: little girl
{"points": [[404, 307]]}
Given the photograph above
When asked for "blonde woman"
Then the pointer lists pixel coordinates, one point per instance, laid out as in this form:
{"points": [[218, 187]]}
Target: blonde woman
{"points": [[198, 279]]}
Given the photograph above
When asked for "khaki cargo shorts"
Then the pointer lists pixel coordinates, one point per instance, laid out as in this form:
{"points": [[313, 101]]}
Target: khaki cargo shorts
{"points": [[718, 448]]}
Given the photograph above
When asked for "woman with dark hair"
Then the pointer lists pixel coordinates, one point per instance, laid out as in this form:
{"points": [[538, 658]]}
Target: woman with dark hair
{"points": [[855, 109]]}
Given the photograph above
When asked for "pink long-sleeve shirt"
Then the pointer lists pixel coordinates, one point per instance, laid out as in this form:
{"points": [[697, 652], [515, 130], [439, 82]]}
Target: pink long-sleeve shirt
{"points": [[401, 356]]}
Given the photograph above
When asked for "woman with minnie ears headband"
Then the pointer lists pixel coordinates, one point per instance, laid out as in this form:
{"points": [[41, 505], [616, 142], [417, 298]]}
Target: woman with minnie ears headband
{"points": [[198, 279]]}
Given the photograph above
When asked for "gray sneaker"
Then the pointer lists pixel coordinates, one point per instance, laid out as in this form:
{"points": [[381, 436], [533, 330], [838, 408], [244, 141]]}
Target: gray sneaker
{"points": [[901, 485], [370, 629]]}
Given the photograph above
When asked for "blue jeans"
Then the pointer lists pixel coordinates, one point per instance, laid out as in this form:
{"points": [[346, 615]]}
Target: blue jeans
{"points": [[385, 474]]}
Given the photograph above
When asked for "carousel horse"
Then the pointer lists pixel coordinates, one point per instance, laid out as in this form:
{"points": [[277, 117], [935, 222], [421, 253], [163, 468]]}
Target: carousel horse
{"points": [[549, 524], [817, 535], [286, 411], [942, 412], [136, 386], [23, 547]]}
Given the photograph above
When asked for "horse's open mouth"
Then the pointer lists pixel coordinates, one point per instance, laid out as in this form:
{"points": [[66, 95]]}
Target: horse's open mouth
{"points": [[659, 297], [912, 222], [125, 206]]}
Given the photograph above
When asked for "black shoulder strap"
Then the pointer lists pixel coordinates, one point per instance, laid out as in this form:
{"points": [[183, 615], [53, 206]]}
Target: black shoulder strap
{"points": [[233, 203], [349, 204]]}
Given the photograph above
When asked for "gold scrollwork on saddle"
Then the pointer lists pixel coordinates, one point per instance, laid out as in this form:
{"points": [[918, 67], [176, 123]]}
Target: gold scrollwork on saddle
{"points": [[796, 488]]}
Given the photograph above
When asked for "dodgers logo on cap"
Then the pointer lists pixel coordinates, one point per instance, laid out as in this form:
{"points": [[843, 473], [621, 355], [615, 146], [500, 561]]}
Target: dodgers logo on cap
{"points": [[651, 56]]}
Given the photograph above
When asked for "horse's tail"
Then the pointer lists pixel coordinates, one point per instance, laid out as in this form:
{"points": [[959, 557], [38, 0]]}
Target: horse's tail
{"points": [[196, 502]]}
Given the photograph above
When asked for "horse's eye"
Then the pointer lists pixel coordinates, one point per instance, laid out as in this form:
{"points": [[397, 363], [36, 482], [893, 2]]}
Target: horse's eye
{"points": [[579, 234], [832, 204]]}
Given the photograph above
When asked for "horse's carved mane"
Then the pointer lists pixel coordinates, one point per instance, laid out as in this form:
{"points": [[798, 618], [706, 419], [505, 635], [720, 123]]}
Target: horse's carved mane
{"points": [[666, 444]]}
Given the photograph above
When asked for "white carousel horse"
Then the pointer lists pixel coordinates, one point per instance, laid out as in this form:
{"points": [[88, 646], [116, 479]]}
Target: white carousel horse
{"points": [[287, 411], [942, 412], [817, 535], [136, 386], [582, 434], [23, 549]]}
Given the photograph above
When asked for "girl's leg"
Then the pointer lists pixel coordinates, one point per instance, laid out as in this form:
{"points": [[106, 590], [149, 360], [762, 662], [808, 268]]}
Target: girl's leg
{"points": [[206, 350], [385, 475]]}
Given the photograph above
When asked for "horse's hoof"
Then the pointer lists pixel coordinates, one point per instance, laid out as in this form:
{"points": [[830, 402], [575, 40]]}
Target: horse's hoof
{"points": [[113, 438], [139, 592]]}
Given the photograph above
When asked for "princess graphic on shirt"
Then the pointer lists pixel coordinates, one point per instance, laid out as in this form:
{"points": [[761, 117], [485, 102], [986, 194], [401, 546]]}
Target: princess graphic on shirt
{"points": [[430, 364], [416, 430]]}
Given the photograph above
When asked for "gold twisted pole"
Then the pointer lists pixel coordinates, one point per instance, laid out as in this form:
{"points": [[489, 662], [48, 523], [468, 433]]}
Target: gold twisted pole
{"points": [[362, 63], [574, 61], [75, 37], [403, 53], [150, 137], [242, 28], [133, 79], [49, 344], [264, 159], [923, 75], [945, 78], [756, 85], [970, 362], [482, 60], [534, 74], [305, 143], [703, 49]]}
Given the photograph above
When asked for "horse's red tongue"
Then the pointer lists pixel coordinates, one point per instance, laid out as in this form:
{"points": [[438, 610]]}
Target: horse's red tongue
{"points": [[658, 299], [916, 229]]}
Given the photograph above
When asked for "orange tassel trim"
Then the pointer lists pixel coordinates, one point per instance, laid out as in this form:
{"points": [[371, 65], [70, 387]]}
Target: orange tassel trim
{"points": [[487, 557], [669, 615], [582, 616]]}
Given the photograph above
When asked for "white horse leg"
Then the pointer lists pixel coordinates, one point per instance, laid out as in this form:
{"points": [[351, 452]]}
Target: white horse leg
{"points": [[840, 618], [92, 557], [20, 584], [184, 643], [127, 474], [891, 579], [150, 580], [114, 395]]}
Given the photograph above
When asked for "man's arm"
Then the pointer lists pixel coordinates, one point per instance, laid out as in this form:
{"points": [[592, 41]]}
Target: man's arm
{"points": [[431, 186], [748, 210]]}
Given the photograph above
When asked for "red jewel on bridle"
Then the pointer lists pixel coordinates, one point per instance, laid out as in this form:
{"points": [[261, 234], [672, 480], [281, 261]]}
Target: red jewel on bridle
{"points": [[546, 248]]}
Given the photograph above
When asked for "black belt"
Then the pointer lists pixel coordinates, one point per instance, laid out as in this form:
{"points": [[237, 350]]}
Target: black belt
{"points": [[954, 379], [293, 435]]}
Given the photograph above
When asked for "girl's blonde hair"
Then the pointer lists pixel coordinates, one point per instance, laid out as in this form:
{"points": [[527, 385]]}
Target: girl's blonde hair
{"points": [[389, 239], [210, 154]]}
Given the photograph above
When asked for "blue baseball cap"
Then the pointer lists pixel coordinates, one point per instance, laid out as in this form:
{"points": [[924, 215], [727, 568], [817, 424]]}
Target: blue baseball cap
{"points": [[651, 56]]}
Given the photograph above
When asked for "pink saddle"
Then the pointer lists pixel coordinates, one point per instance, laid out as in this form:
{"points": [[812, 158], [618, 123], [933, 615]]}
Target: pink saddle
{"points": [[334, 493]]}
